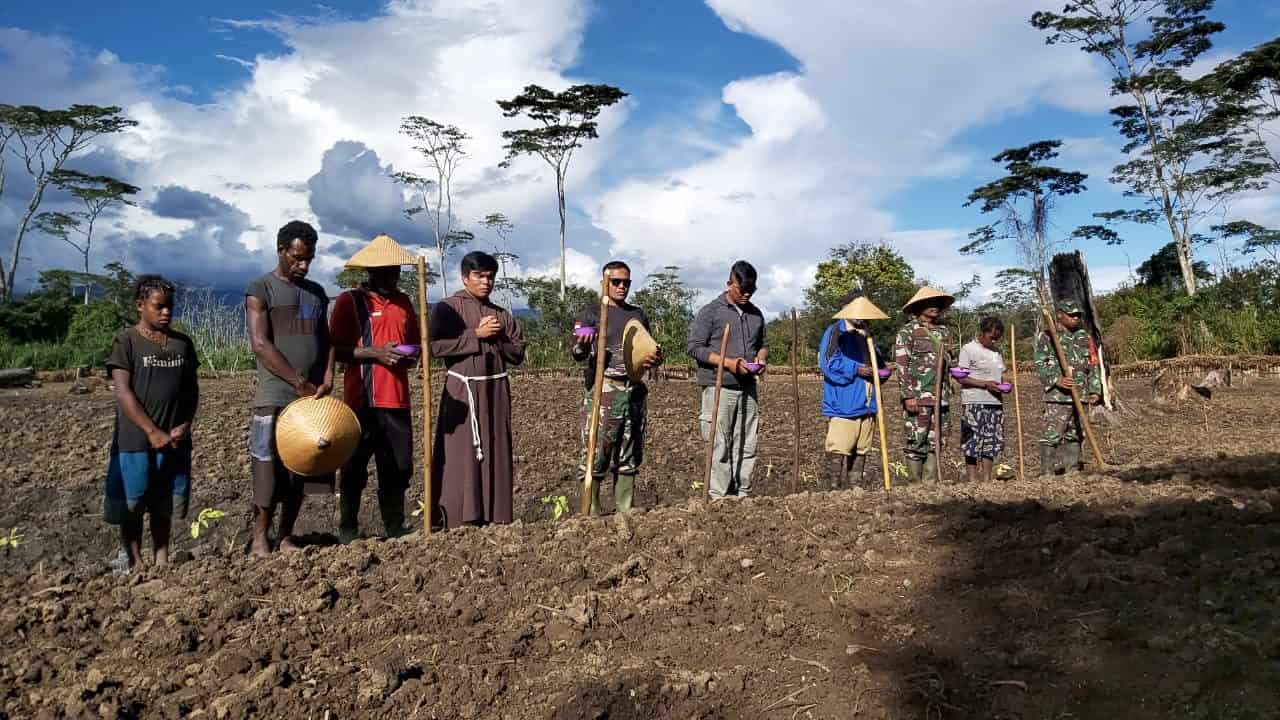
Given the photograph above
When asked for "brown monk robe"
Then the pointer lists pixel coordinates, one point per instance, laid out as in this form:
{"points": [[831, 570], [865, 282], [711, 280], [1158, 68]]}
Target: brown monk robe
{"points": [[471, 467]]}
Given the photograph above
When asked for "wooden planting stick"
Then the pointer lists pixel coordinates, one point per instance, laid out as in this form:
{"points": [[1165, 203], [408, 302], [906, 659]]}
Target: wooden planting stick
{"points": [[424, 328], [884, 443], [1017, 403], [597, 388]]}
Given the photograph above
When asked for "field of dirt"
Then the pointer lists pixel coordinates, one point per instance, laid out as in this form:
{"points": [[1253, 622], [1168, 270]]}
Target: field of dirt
{"points": [[1147, 591]]}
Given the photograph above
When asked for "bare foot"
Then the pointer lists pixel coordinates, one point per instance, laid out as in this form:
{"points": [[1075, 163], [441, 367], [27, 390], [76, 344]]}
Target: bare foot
{"points": [[260, 547], [287, 544]]}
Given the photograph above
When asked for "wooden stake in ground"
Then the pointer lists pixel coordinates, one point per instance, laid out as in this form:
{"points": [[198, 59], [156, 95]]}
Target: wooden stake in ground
{"points": [[588, 477], [1052, 327], [1017, 403], [884, 443], [424, 335], [795, 396], [715, 406], [937, 410]]}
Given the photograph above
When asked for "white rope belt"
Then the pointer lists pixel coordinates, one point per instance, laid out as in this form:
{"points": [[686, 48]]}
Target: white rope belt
{"points": [[471, 406]]}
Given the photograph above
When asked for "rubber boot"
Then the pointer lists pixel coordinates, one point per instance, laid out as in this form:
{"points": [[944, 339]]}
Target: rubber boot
{"points": [[857, 466], [1046, 459], [348, 516], [915, 470], [835, 470], [1071, 457], [930, 469], [595, 496], [391, 506], [624, 489]]}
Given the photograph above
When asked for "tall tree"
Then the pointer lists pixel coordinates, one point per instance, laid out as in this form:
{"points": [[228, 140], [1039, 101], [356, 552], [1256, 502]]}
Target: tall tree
{"points": [[442, 146], [1249, 85], [1161, 270], [1174, 165], [43, 140], [565, 120], [499, 225], [668, 302], [1024, 198], [96, 193]]}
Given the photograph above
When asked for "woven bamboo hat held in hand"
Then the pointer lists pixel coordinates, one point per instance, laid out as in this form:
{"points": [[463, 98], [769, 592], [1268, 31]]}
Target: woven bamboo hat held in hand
{"points": [[382, 251], [637, 344], [316, 436], [928, 295], [860, 309]]}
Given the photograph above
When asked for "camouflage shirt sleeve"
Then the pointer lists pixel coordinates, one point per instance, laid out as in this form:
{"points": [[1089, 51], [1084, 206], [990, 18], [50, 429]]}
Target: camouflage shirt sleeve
{"points": [[902, 358], [1046, 361]]}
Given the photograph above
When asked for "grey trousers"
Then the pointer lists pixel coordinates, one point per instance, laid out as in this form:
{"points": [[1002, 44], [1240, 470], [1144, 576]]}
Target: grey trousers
{"points": [[735, 448]]}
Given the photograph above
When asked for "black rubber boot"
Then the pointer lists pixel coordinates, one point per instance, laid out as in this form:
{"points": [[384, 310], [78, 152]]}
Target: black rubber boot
{"points": [[1046, 459], [1071, 457], [834, 470], [348, 516], [391, 506], [857, 466]]}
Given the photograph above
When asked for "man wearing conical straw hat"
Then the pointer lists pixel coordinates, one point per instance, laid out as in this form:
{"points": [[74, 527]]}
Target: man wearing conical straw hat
{"points": [[848, 395], [374, 331], [915, 352], [629, 352]]}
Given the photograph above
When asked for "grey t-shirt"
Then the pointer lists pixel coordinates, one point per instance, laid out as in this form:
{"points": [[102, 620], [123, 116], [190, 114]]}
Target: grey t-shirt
{"points": [[615, 363], [297, 323], [983, 364]]}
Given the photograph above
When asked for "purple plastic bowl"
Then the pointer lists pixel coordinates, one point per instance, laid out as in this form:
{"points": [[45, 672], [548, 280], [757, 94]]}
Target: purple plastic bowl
{"points": [[584, 332], [1005, 387], [410, 350], [959, 372], [755, 367], [885, 373]]}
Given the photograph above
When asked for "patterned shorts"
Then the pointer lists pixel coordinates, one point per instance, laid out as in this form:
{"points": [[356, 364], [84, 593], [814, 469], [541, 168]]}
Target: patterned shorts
{"points": [[982, 431]]}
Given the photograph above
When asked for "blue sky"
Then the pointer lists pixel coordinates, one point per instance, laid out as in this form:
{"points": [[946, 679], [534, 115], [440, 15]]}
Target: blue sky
{"points": [[770, 131]]}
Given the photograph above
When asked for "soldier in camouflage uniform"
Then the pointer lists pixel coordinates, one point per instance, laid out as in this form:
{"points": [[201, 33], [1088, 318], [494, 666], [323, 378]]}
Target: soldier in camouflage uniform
{"points": [[915, 351], [1061, 426], [620, 437]]}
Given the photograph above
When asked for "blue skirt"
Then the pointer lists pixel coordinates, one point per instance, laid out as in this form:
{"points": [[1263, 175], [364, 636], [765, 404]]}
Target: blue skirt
{"points": [[154, 481]]}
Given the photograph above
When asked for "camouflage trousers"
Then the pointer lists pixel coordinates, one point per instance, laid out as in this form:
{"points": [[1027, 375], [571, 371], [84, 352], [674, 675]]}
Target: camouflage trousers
{"points": [[620, 438], [920, 434], [1060, 424]]}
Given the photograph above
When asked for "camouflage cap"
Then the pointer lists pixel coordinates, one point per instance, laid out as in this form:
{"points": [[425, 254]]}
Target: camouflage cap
{"points": [[1070, 307]]}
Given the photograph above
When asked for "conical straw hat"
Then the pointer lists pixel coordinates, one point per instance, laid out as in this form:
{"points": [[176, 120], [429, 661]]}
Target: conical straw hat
{"points": [[928, 293], [636, 344], [316, 436], [860, 309], [381, 252]]}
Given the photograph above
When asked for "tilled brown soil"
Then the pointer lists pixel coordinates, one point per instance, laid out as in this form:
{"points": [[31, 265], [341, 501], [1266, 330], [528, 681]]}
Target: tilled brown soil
{"points": [[1150, 591]]}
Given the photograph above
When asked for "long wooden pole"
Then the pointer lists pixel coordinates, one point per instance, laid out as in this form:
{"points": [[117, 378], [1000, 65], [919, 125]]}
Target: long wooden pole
{"points": [[715, 406], [597, 388], [795, 396], [884, 443], [1017, 403], [1051, 326], [939, 366], [424, 334]]}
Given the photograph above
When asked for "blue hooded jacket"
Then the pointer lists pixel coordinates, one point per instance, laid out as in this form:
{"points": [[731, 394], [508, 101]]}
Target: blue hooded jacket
{"points": [[844, 394]]}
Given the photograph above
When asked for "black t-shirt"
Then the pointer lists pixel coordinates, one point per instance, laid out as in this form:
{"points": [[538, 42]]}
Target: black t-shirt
{"points": [[615, 365], [163, 378]]}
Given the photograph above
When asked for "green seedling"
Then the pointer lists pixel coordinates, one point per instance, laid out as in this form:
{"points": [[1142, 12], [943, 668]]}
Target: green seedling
{"points": [[204, 520], [10, 541], [696, 485], [559, 505], [898, 469], [421, 507], [1004, 470]]}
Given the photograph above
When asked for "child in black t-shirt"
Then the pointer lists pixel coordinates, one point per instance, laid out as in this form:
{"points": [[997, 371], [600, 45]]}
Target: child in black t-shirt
{"points": [[154, 371]]}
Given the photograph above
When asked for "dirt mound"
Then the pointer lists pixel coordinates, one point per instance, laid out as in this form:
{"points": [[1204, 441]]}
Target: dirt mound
{"points": [[1150, 592]]}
